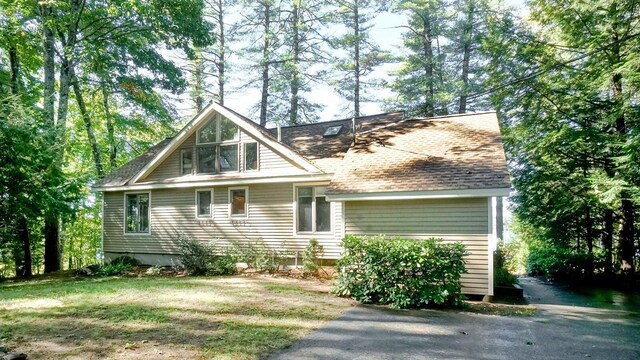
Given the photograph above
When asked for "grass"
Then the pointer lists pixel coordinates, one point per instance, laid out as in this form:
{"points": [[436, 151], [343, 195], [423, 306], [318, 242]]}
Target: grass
{"points": [[236, 317]]}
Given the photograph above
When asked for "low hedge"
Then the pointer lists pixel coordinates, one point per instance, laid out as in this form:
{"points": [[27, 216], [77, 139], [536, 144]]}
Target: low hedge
{"points": [[401, 272]]}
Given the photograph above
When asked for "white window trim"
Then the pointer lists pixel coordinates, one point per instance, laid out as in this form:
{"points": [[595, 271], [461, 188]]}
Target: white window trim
{"points": [[313, 210], [200, 217], [217, 148], [244, 157], [124, 216], [246, 203], [218, 156], [193, 162]]}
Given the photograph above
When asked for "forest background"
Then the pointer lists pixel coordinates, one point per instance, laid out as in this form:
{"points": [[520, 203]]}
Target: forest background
{"points": [[86, 85]]}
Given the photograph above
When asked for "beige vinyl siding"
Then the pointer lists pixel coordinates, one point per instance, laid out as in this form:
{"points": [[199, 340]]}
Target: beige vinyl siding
{"points": [[269, 161], [465, 220], [270, 219]]}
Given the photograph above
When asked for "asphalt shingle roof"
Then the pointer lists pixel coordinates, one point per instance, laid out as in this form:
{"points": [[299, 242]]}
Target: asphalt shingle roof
{"points": [[391, 154], [457, 152]]}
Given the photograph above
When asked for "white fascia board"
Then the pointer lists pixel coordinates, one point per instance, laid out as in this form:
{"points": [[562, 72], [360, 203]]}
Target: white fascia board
{"points": [[275, 145], [173, 144], [408, 195], [221, 182], [204, 115]]}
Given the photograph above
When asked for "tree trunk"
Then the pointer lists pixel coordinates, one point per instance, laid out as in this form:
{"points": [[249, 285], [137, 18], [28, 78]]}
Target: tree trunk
{"points": [[23, 230], [466, 56], [428, 66], [356, 58], [627, 226], [48, 58], [295, 74], [110, 132], [15, 68], [266, 60], [221, 52], [52, 253], [589, 239], [198, 79], [51, 226], [95, 151], [63, 101], [607, 243]]}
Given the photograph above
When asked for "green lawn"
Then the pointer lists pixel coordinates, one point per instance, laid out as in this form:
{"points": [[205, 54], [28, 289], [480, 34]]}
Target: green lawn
{"points": [[235, 317]]}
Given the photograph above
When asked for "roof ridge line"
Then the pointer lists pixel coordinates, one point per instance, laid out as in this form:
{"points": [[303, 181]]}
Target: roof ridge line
{"points": [[454, 115], [336, 120]]}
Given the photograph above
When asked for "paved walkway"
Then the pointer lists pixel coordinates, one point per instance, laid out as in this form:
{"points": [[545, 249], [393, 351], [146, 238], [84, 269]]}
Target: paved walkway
{"points": [[567, 326]]}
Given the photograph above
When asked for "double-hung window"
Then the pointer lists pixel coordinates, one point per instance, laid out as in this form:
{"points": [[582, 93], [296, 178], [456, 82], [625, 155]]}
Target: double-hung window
{"points": [[204, 202], [238, 202], [313, 209], [217, 146], [137, 213]]}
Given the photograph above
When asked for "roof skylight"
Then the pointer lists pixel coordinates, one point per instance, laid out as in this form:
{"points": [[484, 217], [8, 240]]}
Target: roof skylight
{"points": [[332, 131]]}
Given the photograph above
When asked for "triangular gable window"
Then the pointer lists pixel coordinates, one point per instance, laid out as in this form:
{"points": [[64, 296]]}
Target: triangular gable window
{"points": [[217, 146]]}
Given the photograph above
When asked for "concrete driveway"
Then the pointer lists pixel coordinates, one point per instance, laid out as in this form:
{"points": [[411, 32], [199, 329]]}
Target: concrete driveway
{"points": [[567, 326]]}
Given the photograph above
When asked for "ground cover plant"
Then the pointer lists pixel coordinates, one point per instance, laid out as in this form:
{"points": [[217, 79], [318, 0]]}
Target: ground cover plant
{"points": [[401, 272], [238, 317]]}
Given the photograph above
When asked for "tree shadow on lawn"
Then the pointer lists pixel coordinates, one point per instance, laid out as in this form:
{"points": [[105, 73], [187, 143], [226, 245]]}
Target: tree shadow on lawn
{"points": [[235, 324]]}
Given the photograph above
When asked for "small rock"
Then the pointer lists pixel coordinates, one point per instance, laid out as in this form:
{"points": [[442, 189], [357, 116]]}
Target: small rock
{"points": [[14, 356], [3, 349]]}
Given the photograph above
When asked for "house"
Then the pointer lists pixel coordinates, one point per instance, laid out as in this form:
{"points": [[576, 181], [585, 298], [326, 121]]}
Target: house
{"points": [[225, 178]]}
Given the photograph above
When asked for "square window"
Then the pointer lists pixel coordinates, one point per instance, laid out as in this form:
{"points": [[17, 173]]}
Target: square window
{"points": [[203, 203], [251, 156], [206, 159], [238, 202], [186, 162], [229, 157]]}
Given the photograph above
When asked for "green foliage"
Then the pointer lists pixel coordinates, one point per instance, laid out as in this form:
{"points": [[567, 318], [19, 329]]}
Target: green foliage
{"points": [[310, 256], [501, 274], [556, 262], [259, 256], [201, 259], [83, 236], [118, 266], [564, 90], [401, 272]]}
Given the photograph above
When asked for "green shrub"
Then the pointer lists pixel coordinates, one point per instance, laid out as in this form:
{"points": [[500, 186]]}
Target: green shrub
{"points": [[401, 272], [113, 269], [310, 256], [201, 259], [194, 255], [222, 265], [556, 262], [259, 256], [501, 274]]}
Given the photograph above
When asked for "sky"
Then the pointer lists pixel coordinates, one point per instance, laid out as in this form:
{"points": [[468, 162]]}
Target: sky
{"points": [[387, 33]]}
